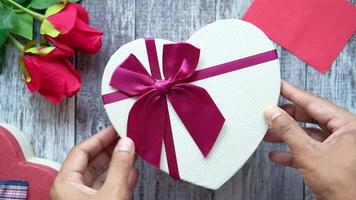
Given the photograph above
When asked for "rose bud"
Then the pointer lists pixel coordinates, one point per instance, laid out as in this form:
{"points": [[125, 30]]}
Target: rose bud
{"points": [[66, 26], [48, 71]]}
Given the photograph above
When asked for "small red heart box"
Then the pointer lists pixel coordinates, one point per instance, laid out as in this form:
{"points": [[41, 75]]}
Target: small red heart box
{"points": [[17, 162]]}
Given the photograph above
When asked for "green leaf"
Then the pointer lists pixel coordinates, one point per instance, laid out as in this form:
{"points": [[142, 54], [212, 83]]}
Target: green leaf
{"points": [[74, 1], [24, 25], [7, 22], [23, 2], [2, 57], [42, 4], [3, 36], [20, 1]]}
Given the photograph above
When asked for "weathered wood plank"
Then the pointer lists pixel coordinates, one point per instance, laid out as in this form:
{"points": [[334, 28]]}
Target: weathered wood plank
{"points": [[116, 20], [260, 178], [50, 128], [172, 20]]}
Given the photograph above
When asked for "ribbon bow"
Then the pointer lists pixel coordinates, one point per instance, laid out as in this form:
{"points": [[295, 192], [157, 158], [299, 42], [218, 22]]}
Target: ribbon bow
{"points": [[148, 121]]}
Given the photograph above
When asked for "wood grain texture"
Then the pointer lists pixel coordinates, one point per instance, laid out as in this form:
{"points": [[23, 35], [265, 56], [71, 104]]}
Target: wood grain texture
{"points": [[54, 130], [117, 20]]}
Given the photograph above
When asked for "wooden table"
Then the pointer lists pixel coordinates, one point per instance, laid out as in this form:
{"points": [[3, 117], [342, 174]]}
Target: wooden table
{"points": [[53, 131]]}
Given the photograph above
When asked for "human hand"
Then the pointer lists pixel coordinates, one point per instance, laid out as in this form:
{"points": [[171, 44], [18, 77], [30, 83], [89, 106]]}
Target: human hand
{"points": [[96, 169], [327, 156]]}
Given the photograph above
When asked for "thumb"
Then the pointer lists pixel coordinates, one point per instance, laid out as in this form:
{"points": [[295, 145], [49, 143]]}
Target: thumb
{"points": [[120, 166], [288, 129]]}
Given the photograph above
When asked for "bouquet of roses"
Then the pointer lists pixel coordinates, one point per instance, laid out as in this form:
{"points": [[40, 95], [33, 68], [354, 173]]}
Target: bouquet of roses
{"points": [[46, 64]]}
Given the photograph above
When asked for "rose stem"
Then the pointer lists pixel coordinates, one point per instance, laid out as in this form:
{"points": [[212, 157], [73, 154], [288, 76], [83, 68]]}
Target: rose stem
{"points": [[36, 15], [27, 77], [16, 43]]}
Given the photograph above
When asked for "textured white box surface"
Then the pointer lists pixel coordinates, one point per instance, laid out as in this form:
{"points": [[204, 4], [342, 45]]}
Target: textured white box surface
{"points": [[241, 96]]}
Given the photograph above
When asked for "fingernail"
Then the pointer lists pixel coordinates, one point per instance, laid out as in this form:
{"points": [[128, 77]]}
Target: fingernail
{"points": [[125, 144], [271, 130], [272, 113]]}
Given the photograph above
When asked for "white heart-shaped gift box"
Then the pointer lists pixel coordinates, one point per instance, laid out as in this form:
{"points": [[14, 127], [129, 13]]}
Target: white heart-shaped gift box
{"points": [[241, 96]]}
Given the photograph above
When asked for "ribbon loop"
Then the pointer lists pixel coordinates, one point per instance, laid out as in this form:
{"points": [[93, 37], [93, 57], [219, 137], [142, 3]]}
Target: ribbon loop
{"points": [[179, 61], [131, 77]]}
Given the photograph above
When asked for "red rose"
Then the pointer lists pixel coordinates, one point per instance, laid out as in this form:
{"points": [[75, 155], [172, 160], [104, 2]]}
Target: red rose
{"points": [[73, 31], [52, 74]]}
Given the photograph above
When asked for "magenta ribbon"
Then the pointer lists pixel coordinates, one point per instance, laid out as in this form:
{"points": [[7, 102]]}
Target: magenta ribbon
{"points": [[148, 122]]}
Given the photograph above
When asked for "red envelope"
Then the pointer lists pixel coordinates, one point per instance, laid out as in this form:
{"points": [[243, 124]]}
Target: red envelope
{"points": [[314, 30]]}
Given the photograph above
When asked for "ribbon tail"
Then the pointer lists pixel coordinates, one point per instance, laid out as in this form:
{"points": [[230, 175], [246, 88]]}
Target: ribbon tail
{"points": [[199, 114], [148, 126], [144, 126], [169, 146]]}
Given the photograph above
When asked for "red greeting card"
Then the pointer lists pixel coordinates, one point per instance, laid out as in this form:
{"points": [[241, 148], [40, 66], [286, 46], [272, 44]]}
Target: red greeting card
{"points": [[314, 30]]}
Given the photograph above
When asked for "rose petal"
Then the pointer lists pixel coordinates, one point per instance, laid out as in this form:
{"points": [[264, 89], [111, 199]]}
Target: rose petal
{"points": [[64, 20], [52, 76]]}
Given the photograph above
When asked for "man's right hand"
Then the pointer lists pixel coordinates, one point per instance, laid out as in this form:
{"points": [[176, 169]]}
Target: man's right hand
{"points": [[326, 156]]}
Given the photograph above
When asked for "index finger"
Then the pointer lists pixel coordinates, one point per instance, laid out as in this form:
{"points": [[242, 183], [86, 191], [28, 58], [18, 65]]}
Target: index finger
{"points": [[318, 108], [79, 157]]}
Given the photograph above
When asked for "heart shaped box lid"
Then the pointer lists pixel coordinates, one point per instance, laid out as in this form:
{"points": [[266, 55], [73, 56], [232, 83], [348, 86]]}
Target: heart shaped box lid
{"points": [[18, 162], [241, 97]]}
